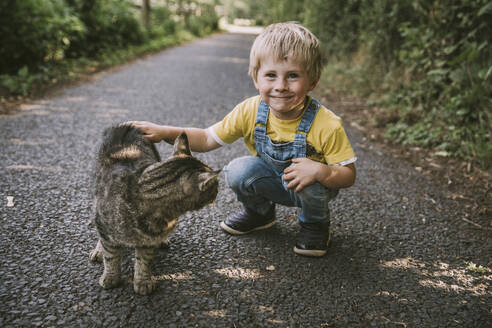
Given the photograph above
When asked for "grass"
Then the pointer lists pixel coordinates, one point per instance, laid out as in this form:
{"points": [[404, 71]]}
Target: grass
{"points": [[476, 268]]}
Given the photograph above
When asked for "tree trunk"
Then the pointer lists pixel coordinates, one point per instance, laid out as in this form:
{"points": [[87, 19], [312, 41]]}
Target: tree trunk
{"points": [[146, 14]]}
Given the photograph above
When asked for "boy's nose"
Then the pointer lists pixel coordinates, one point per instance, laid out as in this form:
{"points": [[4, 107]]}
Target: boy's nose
{"points": [[280, 85]]}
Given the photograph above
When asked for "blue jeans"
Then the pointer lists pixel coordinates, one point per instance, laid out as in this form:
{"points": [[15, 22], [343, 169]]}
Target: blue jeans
{"points": [[257, 185]]}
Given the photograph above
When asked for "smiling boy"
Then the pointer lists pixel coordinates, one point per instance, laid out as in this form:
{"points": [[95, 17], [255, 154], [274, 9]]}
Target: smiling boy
{"points": [[301, 153]]}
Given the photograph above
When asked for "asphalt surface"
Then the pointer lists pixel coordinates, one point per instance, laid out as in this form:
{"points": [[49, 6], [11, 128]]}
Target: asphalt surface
{"points": [[400, 255]]}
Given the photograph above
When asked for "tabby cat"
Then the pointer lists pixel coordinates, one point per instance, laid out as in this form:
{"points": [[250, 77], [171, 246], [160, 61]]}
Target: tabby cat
{"points": [[138, 199]]}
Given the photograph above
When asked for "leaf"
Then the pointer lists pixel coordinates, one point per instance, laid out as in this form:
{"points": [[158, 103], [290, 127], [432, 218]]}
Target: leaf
{"points": [[485, 9], [457, 75], [439, 71], [440, 63], [461, 57], [24, 71], [473, 54], [478, 269], [488, 73], [450, 49], [442, 153]]}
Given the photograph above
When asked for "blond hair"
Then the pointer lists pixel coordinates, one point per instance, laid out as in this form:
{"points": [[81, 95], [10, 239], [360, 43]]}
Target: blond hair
{"points": [[282, 40]]}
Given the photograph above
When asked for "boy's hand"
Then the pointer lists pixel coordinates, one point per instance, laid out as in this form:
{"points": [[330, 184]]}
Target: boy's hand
{"points": [[302, 174], [151, 131]]}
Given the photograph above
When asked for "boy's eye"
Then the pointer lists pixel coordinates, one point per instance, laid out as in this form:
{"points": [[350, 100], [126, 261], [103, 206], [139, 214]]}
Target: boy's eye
{"points": [[293, 75], [270, 75]]}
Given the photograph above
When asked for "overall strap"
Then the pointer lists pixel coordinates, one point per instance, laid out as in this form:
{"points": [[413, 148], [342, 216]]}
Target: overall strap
{"points": [[304, 127], [308, 117], [262, 114], [260, 126]]}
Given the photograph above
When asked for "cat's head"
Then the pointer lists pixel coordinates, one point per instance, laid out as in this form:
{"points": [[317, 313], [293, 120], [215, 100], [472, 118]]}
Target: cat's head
{"points": [[199, 181]]}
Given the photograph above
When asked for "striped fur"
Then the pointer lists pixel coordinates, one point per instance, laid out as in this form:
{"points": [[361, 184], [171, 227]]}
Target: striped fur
{"points": [[138, 199]]}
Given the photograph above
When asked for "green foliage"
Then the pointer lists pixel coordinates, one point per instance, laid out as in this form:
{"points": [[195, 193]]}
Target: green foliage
{"points": [[20, 83], [336, 23], [380, 21], [204, 23], [35, 32], [447, 59], [266, 11], [275, 10], [48, 41], [161, 23], [110, 24], [476, 268], [38, 33]]}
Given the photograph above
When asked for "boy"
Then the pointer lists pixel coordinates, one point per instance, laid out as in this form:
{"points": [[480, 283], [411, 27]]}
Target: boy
{"points": [[302, 156]]}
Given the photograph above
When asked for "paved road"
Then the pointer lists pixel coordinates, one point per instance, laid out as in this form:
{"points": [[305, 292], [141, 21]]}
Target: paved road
{"points": [[400, 249]]}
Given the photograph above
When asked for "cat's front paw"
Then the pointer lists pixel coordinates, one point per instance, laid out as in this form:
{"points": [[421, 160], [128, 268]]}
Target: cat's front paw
{"points": [[108, 281], [144, 287], [96, 255]]}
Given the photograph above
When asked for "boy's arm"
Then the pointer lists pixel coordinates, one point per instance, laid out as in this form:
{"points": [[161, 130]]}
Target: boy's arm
{"points": [[200, 139], [306, 172]]}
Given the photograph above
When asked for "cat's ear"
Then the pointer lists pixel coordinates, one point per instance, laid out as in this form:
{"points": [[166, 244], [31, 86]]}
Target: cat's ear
{"points": [[181, 145], [206, 179]]}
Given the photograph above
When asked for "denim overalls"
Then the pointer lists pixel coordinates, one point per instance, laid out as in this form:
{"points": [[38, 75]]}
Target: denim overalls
{"points": [[257, 181]]}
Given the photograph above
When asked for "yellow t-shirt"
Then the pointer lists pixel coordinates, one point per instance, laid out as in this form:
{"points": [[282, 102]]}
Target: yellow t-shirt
{"points": [[326, 141]]}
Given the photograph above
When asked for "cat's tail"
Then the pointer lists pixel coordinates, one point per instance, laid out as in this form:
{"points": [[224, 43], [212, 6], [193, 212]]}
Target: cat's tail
{"points": [[121, 142]]}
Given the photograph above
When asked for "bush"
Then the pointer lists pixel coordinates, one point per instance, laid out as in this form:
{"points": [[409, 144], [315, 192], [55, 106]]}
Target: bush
{"points": [[110, 24], [448, 59], [35, 33], [204, 23], [162, 23], [336, 23], [50, 41]]}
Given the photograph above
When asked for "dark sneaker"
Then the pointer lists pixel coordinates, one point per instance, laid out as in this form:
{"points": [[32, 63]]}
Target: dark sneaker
{"points": [[248, 221], [313, 239]]}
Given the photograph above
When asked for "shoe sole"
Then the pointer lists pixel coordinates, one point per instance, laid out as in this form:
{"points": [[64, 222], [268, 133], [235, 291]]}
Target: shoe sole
{"points": [[310, 252], [228, 229], [313, 252]]}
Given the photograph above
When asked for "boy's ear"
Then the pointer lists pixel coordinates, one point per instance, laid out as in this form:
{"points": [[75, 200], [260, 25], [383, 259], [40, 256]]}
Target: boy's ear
{"points": [[314, 84], [255, 83]]}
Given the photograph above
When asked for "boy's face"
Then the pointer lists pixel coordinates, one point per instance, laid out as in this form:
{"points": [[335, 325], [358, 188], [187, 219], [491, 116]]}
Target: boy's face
{"points": [[283, 86]]}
